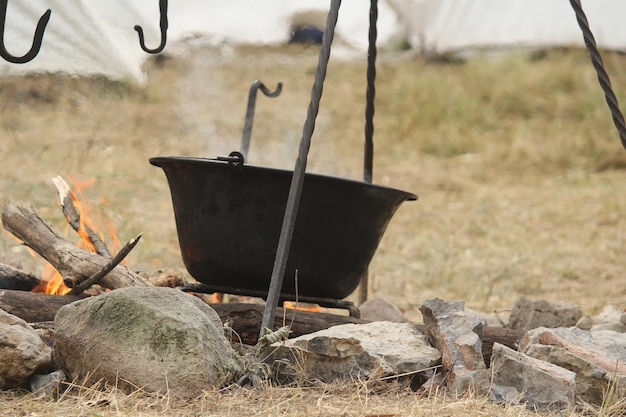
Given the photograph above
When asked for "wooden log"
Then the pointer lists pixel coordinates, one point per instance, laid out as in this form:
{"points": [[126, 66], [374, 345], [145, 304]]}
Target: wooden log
{"points": [[246, 318], [34, 307], [16, 279], [507, 337], [68, 259]]}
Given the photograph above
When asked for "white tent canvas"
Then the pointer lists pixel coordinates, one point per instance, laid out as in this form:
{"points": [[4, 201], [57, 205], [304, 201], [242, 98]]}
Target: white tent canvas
{"points": [[455, 25], [97, 37]]}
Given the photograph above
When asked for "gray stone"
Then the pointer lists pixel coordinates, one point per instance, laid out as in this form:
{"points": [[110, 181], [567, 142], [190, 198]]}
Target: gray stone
{"points": [[157, 339], [379, 309], [615, 327], [436, 383], [521, 379], [22, 352], [48, 385], [530, 314], [609, 314], [489, 319], [457, 334], [610, 318], [597, 358], [585, 323], [615, 342], [350, 351]]}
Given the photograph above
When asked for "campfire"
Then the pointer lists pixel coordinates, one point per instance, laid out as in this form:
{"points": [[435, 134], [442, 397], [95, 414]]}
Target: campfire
{"points": [[88, 265], [73, 268], [91, 238], [78, 213], [72, 264]]}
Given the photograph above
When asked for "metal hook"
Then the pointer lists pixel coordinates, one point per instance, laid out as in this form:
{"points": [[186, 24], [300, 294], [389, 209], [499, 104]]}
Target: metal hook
{"points": [[37, 38], [163, 25], [247, 128]]}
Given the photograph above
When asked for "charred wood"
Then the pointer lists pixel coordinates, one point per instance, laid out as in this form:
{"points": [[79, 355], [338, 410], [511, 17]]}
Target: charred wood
{"points": [[246, 320], [71, 261], [34, 307], [507, 337], [16, 279]]}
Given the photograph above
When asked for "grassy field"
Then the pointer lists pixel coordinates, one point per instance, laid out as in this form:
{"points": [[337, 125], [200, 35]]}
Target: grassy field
{"points": [[517, 164]]}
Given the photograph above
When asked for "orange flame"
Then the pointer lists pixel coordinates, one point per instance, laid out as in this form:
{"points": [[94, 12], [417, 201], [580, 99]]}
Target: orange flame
{"points": [[51, 281], [85, 221], [313, 308], [216, 298]]}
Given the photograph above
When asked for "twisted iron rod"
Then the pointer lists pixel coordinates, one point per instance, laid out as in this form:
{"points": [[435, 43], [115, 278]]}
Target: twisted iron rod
{"points": [[603, 77], [368, 162], [370, 95], [297, 180]]}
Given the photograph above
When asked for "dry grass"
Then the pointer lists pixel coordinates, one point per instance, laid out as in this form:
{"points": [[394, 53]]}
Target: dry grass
{"points": [[518, 167], [360, 398]]}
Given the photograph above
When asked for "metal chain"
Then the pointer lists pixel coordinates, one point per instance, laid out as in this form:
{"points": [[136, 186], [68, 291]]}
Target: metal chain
{"points": [[603, 77]]}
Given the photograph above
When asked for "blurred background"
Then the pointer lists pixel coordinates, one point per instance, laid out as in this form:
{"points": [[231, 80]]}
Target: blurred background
{"points": [[87, 37], [490, 111]]}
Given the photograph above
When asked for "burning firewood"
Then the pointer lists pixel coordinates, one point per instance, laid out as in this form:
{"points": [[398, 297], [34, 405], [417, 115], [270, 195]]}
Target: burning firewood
{"points": [[67, 199], [71, 262]]}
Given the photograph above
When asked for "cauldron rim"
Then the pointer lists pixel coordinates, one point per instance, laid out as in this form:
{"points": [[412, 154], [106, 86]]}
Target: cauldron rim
{"points": [[159, 160]]}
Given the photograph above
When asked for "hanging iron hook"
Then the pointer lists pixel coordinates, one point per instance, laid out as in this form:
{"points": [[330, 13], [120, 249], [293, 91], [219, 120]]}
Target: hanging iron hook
{"points": [[162, 24], [37, 38], [247, 128]]}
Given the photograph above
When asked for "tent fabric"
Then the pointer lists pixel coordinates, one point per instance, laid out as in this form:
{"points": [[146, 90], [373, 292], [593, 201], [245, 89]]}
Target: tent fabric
{"points": [[446, 26], [97, 37]]}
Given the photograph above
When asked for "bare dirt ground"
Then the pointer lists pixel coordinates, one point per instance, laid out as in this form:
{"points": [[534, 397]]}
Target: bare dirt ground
{"points": [[517, 165]]}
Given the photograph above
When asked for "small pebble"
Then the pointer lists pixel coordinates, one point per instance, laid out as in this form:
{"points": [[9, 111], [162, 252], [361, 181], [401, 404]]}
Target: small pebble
{"points": [[585, 323]]}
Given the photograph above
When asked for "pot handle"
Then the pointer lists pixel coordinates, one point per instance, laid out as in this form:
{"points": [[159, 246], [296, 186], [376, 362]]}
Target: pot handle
{"points": [[235, 159]]}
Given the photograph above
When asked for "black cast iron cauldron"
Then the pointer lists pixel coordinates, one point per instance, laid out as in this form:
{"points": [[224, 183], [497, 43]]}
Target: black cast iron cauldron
{"points": [[229, 220]]}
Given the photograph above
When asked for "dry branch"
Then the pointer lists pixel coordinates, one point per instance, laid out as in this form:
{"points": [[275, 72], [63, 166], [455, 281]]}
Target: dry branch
{"points": [[73, 216], [69, 260], [95, 278]]}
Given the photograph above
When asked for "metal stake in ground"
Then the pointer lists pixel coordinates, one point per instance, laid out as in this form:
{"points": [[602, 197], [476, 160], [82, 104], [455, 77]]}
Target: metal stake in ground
{"points": [[297, 180], [368, 158]]}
